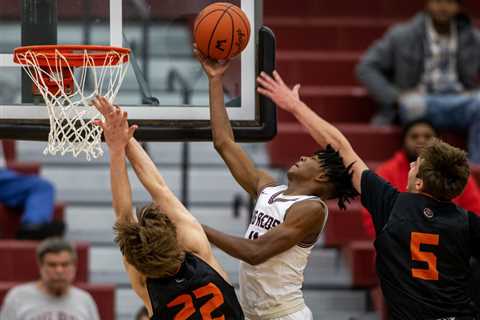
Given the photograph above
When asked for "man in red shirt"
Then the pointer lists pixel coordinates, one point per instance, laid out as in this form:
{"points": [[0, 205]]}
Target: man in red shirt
{"points": [[395, 170]]}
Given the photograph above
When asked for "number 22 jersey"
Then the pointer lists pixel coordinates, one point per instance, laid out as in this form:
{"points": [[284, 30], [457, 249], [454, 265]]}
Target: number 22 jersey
{"points": [[196, 292]]}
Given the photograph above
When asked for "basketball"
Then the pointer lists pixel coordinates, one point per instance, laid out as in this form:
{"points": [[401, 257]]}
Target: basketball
{"points": [[221, 31]]}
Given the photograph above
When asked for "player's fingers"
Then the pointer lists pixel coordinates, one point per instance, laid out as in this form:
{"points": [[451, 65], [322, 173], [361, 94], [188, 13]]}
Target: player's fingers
{"points": [[265, 92], [265, 77], [131, 130], [266, 85], [95, 103], [200, 57], [104, 103], [277, 77], [99, 123], [125, 116], [296, 90]]}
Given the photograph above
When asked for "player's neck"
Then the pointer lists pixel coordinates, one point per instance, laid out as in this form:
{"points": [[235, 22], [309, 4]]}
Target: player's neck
{"points": [[298, 189]]}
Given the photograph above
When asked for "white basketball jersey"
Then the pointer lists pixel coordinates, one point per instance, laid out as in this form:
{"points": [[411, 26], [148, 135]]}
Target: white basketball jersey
{"points": [[274, 288]]}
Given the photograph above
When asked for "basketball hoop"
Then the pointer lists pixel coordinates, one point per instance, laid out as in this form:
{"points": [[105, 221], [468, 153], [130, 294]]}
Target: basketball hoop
{"points": [[68, 77]]}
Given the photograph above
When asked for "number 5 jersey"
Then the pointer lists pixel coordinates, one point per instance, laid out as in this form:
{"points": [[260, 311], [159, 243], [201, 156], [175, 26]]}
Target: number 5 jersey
{"points": [[423, 251]]}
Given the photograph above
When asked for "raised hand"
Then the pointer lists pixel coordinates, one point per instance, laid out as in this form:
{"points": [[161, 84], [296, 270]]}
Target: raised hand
{"points": [[212, 68], [116, 129], [102, 105], [275, 89]]}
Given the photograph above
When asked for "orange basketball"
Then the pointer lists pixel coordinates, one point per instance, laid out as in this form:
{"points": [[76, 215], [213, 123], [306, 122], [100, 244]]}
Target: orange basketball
{"points": [[221, 31]]}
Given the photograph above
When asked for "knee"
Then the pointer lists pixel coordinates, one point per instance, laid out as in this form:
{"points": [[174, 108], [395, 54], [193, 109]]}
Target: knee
{"points": [[44, 186]]}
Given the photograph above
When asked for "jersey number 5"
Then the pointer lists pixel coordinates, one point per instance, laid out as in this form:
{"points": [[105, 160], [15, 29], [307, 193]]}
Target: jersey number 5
{"points": [[416, 240], [206, 309]]}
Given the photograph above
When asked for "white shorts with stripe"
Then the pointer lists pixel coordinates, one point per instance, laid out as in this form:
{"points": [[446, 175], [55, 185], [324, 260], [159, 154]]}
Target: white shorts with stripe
{"points": [[304, 314]]}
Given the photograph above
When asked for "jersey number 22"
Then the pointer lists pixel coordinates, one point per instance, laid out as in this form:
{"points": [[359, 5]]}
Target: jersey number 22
{"points": [[206, 309]]}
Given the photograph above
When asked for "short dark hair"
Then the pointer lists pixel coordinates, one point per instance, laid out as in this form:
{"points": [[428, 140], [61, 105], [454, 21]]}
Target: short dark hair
{"points": [[54, 245], [142, 312], [409, 125], [151, 244], [444, 170], [338, 175]]}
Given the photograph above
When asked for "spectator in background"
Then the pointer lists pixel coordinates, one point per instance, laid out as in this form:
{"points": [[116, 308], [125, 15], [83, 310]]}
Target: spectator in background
{"points": [[35, 196], [427, 68], [142, 314], [52, 297], [395, 170]]}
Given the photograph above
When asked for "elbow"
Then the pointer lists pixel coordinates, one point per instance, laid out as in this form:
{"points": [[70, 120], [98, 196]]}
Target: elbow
{"points": [[221, 143], [362, 71], [255, 257]]}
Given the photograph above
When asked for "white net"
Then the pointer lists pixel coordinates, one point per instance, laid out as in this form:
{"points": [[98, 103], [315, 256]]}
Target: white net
{"points": [[72, 128]]}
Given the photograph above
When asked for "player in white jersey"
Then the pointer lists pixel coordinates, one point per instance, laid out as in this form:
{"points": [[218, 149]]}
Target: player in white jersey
{"points": [[287, 219]]}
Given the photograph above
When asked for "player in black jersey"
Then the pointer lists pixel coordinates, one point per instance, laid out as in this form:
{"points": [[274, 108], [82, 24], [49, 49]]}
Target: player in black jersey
{"points": [[424, 242], [166, 253]]}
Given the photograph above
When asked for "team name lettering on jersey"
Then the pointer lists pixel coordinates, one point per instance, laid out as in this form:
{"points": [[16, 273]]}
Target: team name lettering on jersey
{"points": [[263, 220]]}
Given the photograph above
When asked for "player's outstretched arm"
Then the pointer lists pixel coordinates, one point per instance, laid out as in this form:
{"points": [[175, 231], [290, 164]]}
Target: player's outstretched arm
{"points": [[322, 131], [189, 231], [241, 166], [147, 172], [117, 134], [304, 220]]}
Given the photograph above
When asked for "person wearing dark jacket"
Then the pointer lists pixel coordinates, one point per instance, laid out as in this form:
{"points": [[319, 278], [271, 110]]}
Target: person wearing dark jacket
{"points": [[428, 68]]}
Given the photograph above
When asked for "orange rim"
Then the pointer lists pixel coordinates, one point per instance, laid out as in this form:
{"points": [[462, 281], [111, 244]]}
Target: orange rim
{"points": [[75, 55]]}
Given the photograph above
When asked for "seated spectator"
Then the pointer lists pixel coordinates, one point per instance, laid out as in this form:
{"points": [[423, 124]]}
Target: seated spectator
{"points": [[52, 297], [142, 314], [427, 68], [395, 170], [35, 196]]}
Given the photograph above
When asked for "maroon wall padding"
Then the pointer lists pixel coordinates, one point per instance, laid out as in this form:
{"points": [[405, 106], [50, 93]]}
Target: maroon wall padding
{"points": [[10, 219], [371, 143], [9, 150], [353, 8], [360, 257], [104, 296], [19, 262], [328, 34], [343, 226], [318, 68], [335, 104]]}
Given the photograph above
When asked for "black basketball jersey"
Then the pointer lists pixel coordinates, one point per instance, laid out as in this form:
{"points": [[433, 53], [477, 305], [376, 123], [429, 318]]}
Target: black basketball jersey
{"points": [[423, 251], [196, 292]]}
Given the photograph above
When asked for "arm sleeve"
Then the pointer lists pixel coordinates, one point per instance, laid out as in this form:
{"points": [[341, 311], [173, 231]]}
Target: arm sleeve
{"points": [[378, 197], [474, 223], [374, 66]]}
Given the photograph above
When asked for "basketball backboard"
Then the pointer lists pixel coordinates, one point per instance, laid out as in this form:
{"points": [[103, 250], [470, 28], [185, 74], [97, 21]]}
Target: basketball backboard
{"points": [[165, 90]]}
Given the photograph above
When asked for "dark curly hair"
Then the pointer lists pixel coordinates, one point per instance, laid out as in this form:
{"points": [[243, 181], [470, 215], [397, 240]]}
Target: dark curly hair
{"points": [[338, 175]]}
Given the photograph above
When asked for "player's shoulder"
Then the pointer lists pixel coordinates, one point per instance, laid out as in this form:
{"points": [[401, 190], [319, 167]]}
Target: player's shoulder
{"points": [[314, 207]]}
